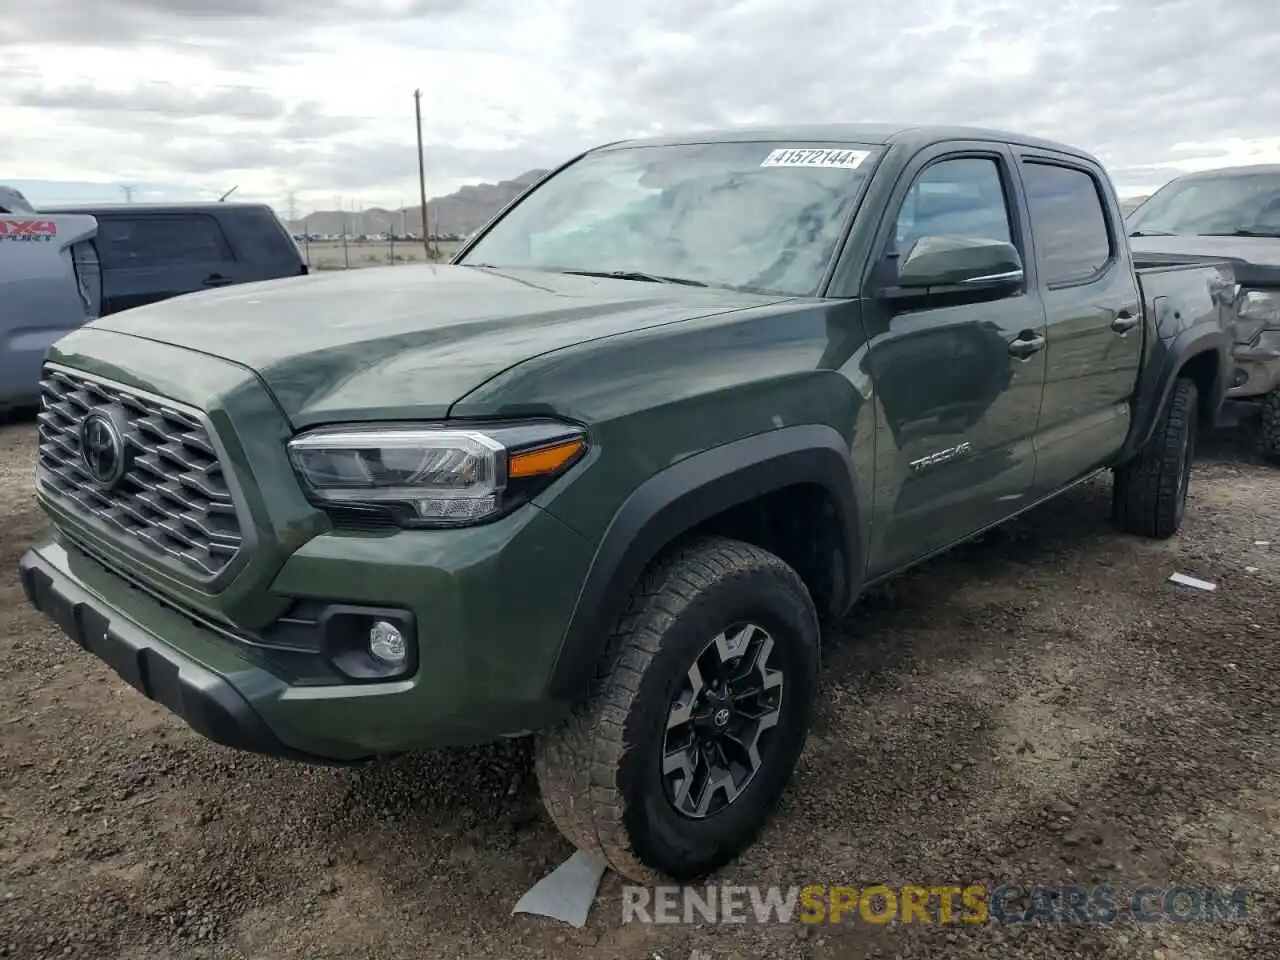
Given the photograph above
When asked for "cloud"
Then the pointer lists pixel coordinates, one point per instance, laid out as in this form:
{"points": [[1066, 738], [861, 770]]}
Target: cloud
{"points": [[315, 97], [126, 22], [170, 101]]}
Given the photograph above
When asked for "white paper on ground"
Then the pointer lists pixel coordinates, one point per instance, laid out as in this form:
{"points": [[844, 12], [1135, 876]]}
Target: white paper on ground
{"points": [[1186, 581], [567, 892]]}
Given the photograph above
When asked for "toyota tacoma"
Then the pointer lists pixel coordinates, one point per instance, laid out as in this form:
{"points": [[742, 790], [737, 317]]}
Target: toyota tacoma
{"points": [[606, 476]]}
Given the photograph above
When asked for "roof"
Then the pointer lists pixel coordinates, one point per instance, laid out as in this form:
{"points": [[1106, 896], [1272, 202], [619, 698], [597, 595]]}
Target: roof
{"points": [[125, 207], [878, 134], [1248, 170]]}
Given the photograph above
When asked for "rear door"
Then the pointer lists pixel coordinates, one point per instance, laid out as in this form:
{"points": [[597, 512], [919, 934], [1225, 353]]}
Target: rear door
{"points": [[1093, 309], [148, 257], [957, 396]]}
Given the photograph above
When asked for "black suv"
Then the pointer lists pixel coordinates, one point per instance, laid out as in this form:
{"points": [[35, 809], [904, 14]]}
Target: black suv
{"points": [[151, 252]]}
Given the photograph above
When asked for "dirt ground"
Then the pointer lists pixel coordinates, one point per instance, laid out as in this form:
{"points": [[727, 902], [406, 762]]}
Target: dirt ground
{"points": [[1041, 707]]}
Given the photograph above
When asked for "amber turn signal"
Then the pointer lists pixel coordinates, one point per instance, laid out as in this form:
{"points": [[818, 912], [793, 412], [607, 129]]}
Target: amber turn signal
{"points": [[544, 460]]}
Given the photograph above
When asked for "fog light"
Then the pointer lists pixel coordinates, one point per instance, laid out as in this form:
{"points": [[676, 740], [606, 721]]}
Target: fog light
{"points": [[386, 643]]}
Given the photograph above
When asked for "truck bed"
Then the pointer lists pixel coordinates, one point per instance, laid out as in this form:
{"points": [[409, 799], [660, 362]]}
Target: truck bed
{"points": [[1202, 288], [1243, 255]]}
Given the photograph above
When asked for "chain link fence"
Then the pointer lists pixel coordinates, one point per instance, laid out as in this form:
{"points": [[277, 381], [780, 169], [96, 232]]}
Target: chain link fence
{"points": [[352, 253]]}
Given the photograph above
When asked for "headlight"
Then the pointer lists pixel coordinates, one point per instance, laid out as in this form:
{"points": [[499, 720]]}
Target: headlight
{"points": [[1257, 311], [429, 475]]}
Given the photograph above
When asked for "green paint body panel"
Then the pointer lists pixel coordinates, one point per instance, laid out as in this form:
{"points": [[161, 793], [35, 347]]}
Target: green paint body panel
{"points": [[663, 377]]}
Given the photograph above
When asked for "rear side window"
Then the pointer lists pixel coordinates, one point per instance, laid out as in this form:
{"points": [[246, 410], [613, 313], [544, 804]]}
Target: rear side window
{"points": [[1068, 221], [260, 237], [145, 241]]}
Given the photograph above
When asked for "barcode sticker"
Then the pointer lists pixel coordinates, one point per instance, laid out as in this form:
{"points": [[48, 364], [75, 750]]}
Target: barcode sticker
{"points": [[802, 157]]}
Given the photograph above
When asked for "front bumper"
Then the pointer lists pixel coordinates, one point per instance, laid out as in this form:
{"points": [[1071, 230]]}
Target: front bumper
{"points": [[208, 703], [1256, 367], [483, 666]]}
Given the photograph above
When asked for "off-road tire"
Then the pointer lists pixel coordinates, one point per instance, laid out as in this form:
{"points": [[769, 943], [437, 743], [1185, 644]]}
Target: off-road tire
{"points": [[599, 771], [1149, 495], [1269, 432]]}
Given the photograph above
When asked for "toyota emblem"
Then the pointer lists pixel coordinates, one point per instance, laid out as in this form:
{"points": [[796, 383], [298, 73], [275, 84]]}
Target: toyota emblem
{"points": [[102, 448]]}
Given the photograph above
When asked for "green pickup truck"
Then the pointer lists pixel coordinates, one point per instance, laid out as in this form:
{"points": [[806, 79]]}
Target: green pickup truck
{"points": [[606, 476]]}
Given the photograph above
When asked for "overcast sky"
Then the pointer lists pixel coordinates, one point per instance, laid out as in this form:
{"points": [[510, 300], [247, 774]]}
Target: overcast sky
{"points": [[314, 97]]}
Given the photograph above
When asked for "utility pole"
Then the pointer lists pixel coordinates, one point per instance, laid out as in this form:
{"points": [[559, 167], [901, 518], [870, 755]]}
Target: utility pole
{"points": [[346, 251], [291, 206], [127, 190], [422, 174]]}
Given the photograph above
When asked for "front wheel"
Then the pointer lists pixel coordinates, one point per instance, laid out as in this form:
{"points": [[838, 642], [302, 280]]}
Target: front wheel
{"points": [[678, 757], [1149, 497]]}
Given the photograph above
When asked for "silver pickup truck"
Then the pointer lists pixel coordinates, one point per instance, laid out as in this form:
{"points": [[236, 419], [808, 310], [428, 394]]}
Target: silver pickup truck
{"points": [[1229, 214], [49, 286]]}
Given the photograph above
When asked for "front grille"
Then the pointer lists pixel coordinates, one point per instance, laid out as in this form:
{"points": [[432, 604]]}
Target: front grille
{"points": [[172, 502]]}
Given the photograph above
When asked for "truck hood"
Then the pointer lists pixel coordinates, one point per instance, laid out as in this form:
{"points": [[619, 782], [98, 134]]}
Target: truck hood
{"points": [[1256, 260], [387, 342]]}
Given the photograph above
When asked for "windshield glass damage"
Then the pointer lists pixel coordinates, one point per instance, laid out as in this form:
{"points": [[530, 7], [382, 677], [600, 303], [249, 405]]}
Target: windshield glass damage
{"points": [[760, 216]]}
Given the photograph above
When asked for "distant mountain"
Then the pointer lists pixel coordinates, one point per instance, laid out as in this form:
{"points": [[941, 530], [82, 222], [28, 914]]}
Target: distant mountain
{"points": [[459, 213]]}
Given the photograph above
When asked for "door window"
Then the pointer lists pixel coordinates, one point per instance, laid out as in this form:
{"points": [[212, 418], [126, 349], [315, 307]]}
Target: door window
{"points": [[962, 197], [1068, 222], [161, 240]]}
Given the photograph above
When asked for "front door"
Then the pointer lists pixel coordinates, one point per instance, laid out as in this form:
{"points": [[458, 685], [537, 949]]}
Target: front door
{"points": [[958, 385], [1093, 312]]}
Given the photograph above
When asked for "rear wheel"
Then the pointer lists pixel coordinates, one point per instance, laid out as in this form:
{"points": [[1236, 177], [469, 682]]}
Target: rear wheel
{"points": [[678, 757], [1270, 433], [1149, 496]]}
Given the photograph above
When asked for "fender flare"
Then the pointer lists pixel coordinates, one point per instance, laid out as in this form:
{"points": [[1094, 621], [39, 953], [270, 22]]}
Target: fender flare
{"points": [[1165, 364], [680, 497]]}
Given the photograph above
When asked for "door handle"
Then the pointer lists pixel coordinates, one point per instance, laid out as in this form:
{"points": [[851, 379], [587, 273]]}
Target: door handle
{"points": [[217, 280], [1124, 322], [1026, 345]]}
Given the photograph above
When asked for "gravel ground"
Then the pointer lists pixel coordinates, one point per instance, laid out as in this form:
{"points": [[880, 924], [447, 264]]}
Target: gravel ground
{"points": [[1040, 707]]}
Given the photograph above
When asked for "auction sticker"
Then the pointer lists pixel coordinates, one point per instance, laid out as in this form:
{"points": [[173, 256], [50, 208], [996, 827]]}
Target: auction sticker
{"points": [[802, 157]]}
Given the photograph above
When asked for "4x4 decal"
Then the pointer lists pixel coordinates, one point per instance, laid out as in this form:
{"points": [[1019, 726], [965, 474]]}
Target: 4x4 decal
{"points": [[30, 231]]}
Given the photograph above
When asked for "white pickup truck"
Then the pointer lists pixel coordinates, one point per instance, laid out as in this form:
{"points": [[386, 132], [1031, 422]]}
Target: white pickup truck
{"points": [[50, 284]]}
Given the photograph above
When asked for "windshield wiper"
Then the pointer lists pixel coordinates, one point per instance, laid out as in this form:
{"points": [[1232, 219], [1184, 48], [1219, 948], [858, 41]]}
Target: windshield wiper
{"points": [[636, 275], [1152, 233], [1271, 234]]}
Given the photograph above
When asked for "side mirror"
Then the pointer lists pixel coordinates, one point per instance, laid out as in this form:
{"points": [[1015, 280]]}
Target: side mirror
{"points": [[971, 262]]}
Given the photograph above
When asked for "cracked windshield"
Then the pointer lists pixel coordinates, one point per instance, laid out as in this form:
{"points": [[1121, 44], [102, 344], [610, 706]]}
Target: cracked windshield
{"points": [[747, 216]]}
